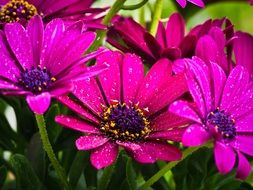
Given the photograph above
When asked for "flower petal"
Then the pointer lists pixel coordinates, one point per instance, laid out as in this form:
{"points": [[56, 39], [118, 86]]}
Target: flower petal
{"points": [[195, 135], [90, 142], [172, 135], [76, 124], [20, 44], [110, 79], [243, 142], [183, 109], [133, 73], [175, 28], [39, 103], [224, 157], [104, 155], [244, 167]]}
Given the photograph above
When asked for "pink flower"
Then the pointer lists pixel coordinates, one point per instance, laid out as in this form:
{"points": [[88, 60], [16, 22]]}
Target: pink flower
{"points": [[41, 63], [122, 108], [70, 11], [222, 112], [243, 48], [182, 3], [171, 42]]}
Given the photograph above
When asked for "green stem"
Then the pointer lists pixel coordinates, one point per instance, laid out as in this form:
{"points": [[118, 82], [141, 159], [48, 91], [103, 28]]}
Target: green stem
{"points": [[168, 167], [106, 20], [156, 16], [136, 6], [49, 150]]}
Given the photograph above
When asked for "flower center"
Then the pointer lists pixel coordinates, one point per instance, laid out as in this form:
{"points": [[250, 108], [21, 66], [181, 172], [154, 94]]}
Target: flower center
{"points": [[223, 123], [122, 122], [36, 80], [16, 10]]}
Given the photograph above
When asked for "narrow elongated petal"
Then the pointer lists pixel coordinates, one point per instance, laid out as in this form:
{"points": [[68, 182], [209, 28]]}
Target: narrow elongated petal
{"points": [[243, 143], [90, 142], [224, 157], [195, 135], [104, 155], [20, 44], [133, 74], [175, 28], [39, 103], [76, 124], [244, 167]]}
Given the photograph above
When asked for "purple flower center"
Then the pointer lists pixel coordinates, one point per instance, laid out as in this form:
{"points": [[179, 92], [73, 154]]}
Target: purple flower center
{"points": [[36, 80], [16, 10], [122, 122], [223, 123]]}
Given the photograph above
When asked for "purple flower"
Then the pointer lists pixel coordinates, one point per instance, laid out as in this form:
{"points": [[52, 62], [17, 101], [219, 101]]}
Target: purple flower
{"points": [[41, 63], [223, 112], [128, 110], [182, 3], [243, 48], [170, 41], [70, 11]]}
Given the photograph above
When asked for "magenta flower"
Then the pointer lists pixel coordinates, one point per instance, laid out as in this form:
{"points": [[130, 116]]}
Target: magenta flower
{"points": [[243, 48], [128, 110], [70, 11], [182, 3], [222, 112], [170, 42], [41, 63]]}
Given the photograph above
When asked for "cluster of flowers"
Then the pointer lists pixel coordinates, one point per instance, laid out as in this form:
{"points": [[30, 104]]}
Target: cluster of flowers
{"points": [[193, 92]]}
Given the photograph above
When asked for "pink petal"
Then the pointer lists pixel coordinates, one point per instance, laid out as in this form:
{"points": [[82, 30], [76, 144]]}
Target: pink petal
{"points": [[39, 103], [244, 124], [104, 155], [224, 157], [199, 84], [243, 48], [52, 35], [35, 31], [76, 124], [182, 3], [235, 86], [183, 109], [197, 2], [110, 79], [172, 135], [90, 142], [195, 135], [168, 120], [20, 44], [133, 73], [161, 35], [244, 167], [75, 106], [8, 67], [82, 90], [175, 28], [243, 143], [150, 88], [219, 81]]}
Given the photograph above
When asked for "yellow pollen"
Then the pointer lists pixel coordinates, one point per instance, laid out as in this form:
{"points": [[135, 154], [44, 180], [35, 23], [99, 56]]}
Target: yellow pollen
{"points": [[15, 10]]}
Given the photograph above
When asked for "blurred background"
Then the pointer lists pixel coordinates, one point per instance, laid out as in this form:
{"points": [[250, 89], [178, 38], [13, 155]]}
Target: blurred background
{"points": [[239, 12]]}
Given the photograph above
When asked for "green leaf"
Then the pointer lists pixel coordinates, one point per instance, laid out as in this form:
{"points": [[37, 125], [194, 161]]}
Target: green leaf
{"points": [[77, 167], [25, 175], [105, 178], [3, 175], [37, 156], [131, 175], [53, 128]]}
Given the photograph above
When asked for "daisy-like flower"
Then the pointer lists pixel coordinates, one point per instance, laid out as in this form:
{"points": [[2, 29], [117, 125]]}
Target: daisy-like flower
{"points": [[40, 63], [170, 42], [183, 3], [70, 11], [222, 112], [122, 108], [243, 48]]}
